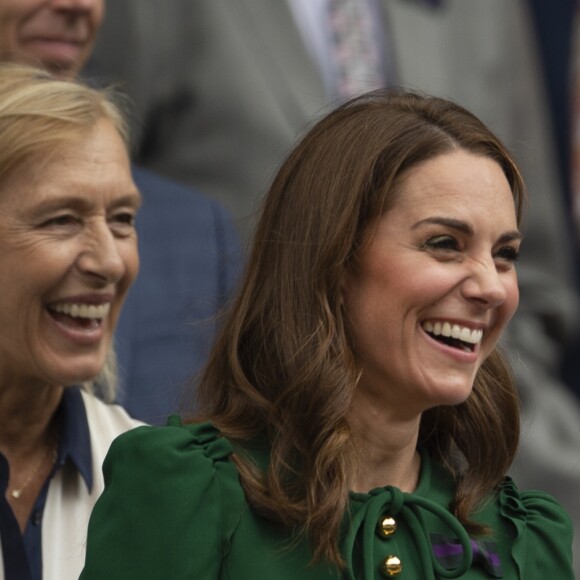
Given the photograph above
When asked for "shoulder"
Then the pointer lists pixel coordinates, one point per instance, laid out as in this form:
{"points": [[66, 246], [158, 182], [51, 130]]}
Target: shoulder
{"points": [[177, 492], [174, 441], [540, 529], [106, 421], [174, 472], [533, 509], [531, 532], [175, 456]]}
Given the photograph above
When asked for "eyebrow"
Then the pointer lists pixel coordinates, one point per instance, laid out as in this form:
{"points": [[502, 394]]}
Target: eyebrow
{"points": [[465, 228], [79, 203]]}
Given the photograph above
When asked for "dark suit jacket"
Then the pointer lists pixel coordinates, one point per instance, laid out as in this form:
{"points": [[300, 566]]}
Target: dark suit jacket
{"points": [[189, 260]]}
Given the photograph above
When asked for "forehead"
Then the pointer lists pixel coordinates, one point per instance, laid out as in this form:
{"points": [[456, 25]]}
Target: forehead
{"points": [[69, 144], [96, 161], [457, 181]]}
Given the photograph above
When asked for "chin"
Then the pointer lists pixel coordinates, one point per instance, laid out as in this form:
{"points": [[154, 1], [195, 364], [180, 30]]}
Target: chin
{"points": [[451, 392], [75, 374], [66, 70]]}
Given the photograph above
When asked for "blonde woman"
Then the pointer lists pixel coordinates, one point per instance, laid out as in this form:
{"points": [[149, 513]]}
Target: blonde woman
{"points": [[68, 255]]}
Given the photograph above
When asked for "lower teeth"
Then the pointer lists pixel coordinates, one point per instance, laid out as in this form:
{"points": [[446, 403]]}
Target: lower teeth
{"points": [[453, 342]]}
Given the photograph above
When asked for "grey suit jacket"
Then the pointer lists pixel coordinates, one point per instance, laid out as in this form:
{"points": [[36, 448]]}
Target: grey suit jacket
{"points": [[224, 88]]}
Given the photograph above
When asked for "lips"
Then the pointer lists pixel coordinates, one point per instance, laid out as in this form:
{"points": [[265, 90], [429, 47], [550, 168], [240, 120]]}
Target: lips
{"points": [[454, 335], [79, 315], [63, 49], [64, 38]]}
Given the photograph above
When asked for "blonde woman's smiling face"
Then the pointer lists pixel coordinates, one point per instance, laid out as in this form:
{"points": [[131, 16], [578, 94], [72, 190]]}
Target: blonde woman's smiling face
{"points": [[436, 285], [68, 255]]}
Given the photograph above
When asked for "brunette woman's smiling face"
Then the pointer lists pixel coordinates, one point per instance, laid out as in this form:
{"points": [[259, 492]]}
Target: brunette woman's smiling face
{"points": [[440, 262]]}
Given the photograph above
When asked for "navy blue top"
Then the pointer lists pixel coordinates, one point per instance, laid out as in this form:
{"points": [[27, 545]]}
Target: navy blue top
{"points": [[22, 554]]}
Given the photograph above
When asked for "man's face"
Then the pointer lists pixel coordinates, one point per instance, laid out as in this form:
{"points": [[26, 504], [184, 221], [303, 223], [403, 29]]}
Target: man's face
{"points": [[57, 35]]}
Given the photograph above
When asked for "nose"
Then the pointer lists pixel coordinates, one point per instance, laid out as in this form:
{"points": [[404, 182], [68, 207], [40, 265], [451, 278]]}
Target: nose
{"points": [[484, 285], [100, 257]]}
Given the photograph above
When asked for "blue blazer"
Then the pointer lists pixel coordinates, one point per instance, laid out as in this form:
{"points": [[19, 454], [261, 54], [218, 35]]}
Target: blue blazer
{"points": [[190, 257]]}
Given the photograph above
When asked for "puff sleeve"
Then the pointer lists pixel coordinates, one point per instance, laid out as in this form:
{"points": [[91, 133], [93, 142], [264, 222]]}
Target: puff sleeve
{"points": [[542, 546], [170, 503]]}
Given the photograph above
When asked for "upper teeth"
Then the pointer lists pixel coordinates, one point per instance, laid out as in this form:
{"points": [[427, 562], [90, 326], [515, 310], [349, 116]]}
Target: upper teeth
{"points": [[83, 310], [454, 331]]}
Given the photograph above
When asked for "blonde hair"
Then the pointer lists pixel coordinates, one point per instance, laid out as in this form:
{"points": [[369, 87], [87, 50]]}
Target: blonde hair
{"points": [[39, 112]]}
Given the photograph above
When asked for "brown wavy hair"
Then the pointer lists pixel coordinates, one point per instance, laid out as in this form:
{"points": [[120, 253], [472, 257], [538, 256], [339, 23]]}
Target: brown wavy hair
{"points": [[283, 368]]}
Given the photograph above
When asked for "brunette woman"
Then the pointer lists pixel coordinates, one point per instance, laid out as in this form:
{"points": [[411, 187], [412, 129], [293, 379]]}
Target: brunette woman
{"points": [[358, 419]]}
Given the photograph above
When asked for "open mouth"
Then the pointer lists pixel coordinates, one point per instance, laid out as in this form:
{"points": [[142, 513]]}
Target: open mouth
{"points": [[460, 337], [55, 51], [79, 316]]}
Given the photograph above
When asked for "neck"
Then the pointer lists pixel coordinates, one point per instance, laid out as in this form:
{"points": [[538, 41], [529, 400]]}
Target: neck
{"points": [[28, 440], [388, 445], [27, 417]]}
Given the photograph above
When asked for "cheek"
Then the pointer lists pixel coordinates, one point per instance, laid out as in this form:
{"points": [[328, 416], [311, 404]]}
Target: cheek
{"points": [[374, 318], [59, 257], [504, 314], [98, 14], [512, 298], [7, 34], [131, 259]]}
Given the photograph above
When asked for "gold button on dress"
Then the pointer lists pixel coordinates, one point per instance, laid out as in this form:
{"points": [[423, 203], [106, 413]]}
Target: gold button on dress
{"points": [[391, 566], [387, 526]]}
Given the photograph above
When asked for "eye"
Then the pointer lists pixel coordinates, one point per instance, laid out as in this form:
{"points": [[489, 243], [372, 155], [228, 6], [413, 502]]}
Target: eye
{"points": [[507, 255], [61, 220], [446, 243], [122, 223], [127, 218]]}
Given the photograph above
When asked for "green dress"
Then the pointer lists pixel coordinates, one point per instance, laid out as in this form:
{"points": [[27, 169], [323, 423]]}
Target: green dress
{"points": [[173, 508]]}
